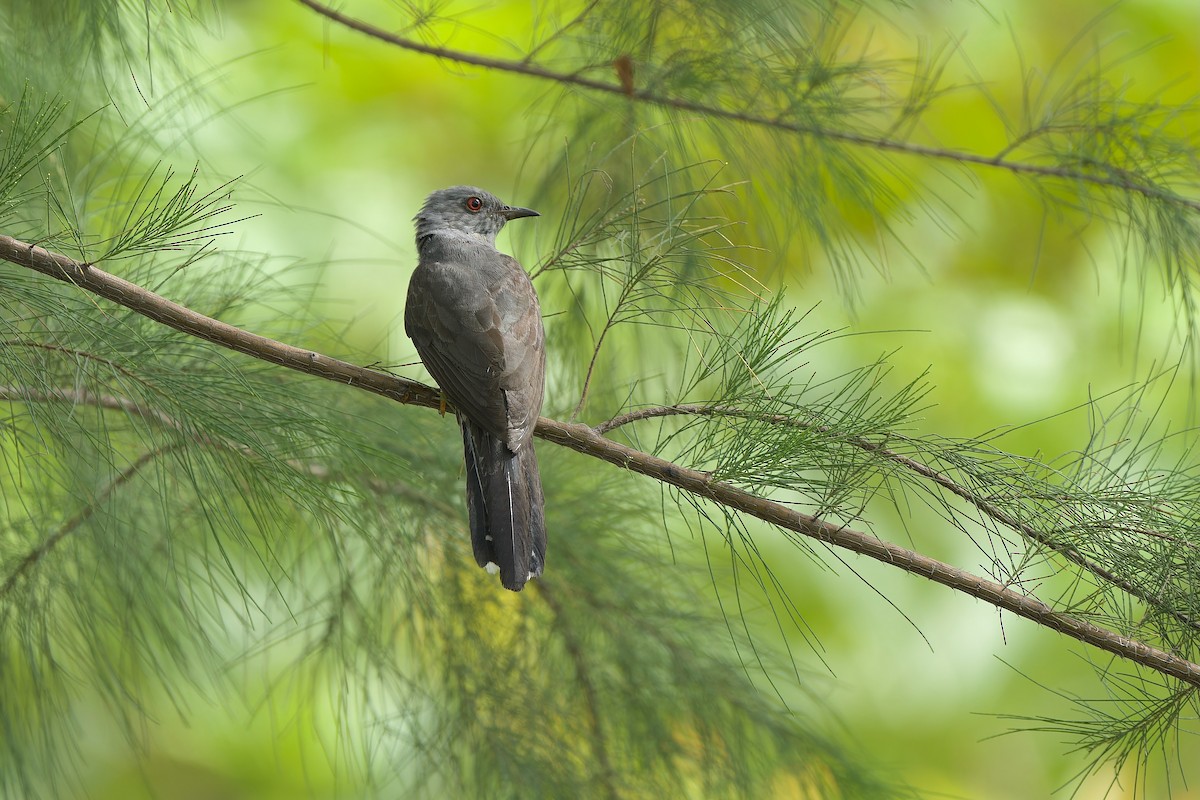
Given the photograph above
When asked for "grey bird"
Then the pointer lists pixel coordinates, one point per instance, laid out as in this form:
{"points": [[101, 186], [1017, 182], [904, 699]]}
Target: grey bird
{"points": [[473, 315]]}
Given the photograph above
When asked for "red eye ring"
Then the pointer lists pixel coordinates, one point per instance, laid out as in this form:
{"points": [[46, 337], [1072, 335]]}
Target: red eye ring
{"points": [[474, 204]]}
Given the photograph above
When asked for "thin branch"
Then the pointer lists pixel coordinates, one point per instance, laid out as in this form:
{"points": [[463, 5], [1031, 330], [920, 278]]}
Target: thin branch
{"points": [[924, 470], [76, 397], [860, 140], [82, 397], [35, 555], [57, 348], [587, 379], [580, 17], [585, 440]]}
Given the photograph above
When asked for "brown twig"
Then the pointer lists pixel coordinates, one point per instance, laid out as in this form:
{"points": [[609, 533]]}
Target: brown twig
{"points": [[857, 139], [585, 440]]}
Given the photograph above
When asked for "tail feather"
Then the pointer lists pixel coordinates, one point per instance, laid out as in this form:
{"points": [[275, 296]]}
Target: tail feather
{"points": [[505, 506]]}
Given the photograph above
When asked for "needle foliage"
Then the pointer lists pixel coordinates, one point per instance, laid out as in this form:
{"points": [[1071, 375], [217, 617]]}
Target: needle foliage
{"points": [[192, 537]]}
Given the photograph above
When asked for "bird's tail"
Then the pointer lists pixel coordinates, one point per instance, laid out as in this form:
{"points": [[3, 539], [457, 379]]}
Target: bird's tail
{"points": [[504, 501]]}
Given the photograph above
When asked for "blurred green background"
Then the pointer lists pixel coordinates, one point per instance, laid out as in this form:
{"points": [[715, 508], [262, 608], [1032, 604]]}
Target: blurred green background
{"points": [[1017, 313]]}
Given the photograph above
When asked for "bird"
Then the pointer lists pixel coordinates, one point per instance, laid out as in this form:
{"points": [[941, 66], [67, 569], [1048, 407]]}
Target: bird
{"points": [[474, 317]]}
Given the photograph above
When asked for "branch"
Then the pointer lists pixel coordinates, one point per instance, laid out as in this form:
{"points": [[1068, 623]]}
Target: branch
{"points": [[83, 397], [984, 505], [587, 378], [585, 440], [73, 352], [83, 515], [999, 161], [183, 319]]}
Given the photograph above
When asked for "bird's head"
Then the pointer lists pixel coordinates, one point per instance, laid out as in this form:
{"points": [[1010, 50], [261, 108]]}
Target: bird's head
{"points": [[467, 209]]}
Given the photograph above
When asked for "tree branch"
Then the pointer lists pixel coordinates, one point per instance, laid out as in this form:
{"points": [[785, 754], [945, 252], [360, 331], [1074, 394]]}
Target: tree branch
{"points": [[999, 161], [984, 505], [181, 318], [83, 397], [71, 351], [83, 515], [585, 440]]}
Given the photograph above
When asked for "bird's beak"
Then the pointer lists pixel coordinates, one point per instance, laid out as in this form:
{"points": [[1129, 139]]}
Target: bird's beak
{"points": [[516, 212]]}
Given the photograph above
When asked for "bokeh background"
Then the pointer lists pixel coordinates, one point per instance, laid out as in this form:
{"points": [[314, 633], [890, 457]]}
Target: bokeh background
{"points": [[1014, 312]]}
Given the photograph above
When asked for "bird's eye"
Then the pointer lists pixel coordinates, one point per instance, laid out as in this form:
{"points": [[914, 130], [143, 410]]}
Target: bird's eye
{"points": [[474, 204]]}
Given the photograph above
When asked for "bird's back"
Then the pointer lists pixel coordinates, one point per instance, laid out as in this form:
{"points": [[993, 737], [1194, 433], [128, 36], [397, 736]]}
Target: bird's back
{"points": [[474, 317]]}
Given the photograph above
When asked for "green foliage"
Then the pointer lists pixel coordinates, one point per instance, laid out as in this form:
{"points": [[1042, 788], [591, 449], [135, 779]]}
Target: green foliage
{"points": [[194, 515], [29, 133], [184, 529], [159, 220]]}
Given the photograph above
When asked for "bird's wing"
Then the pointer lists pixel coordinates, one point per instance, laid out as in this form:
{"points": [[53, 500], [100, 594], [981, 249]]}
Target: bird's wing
{"points": [[478, 329]]}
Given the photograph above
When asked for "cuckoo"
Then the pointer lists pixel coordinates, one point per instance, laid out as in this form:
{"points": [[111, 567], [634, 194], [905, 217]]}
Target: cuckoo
{"points": [[474, 318]]}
